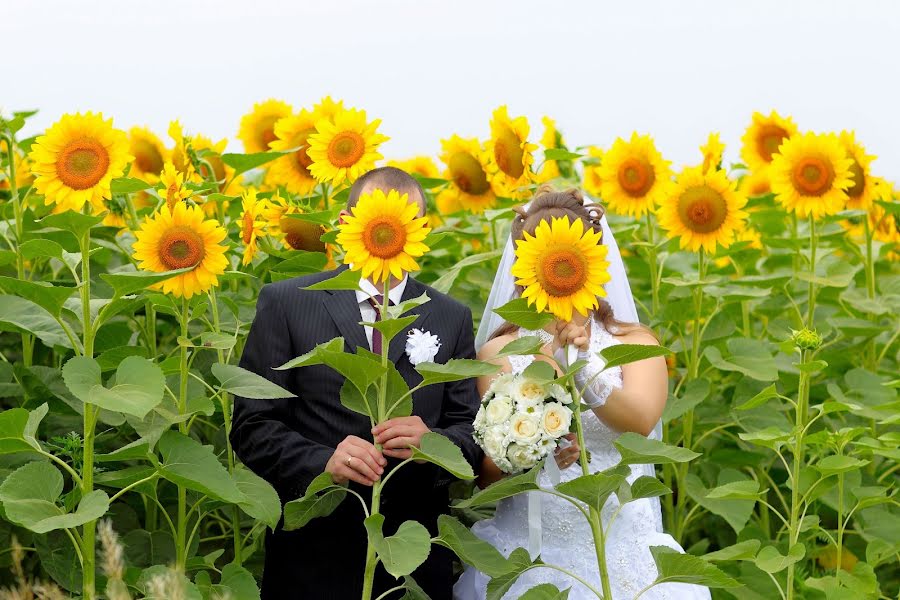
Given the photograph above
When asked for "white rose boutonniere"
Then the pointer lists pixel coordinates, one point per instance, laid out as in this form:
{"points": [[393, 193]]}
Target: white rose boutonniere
{"points": [[421, 346]]}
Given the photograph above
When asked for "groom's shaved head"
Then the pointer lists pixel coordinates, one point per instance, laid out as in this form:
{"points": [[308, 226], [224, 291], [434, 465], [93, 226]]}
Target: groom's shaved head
{"points": [[386, 179]]}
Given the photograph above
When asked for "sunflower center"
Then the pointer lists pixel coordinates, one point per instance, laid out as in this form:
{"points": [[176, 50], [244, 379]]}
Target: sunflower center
{"points": [[859, 180], [346, 149], [508, 153], [467, 174], [181, 247], [247, 228], [702, 209], [384, 237], [147, 157], [768, 139], [812, 176], [301, 235], [82, 163], [562, 272], [636, 177]]}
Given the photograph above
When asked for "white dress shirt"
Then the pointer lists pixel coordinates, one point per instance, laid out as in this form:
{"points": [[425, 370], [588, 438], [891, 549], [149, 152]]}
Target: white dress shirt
{"points": [[367, 311]]}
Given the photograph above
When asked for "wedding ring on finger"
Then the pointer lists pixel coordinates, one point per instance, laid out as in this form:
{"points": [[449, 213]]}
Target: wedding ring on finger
{"points": [[348, 461]]}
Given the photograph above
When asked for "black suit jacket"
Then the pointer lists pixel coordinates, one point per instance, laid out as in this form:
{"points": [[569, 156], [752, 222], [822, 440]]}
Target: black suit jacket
{"points": [[288, 441]]}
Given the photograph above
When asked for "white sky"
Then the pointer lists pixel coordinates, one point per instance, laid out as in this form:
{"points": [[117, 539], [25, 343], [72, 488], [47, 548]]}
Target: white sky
{"points": [[675, 69]]}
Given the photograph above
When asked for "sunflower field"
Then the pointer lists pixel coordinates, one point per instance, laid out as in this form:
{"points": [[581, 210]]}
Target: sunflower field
{"points": [[130, 265]]}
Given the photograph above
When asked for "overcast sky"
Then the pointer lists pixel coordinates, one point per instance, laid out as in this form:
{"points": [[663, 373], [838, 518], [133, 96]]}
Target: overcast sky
{"points": [[675, 69]]}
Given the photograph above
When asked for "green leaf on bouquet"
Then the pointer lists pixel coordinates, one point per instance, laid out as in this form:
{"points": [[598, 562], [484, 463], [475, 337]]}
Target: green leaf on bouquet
{"points": [[29, 495], [504, 488], [637, 449], [676, 567], [545, 591], [360, 369], [623, 354], [747, 489], [75, 222], [129, 282], [540, 371], [519, 562], [454, 370], [128, 185], [524, 346], [403, 552], [470, 548], [437, 449], [138, 384], [389, 328], [399, 310], [322, 497], [345, 280], [260, 498], [593, 489], [643, 487], [247, 384], [49, 297], [518, 312], [745, 550], [188, 463], [241, 163], [771, 560], [18, 428]]}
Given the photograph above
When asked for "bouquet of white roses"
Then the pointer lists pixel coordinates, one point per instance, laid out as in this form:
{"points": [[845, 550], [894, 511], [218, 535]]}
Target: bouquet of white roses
{"points": [[521, 421]]}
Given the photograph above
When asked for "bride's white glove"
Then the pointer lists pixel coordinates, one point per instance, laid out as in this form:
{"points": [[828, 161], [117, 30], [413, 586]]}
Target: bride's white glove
{"points": [[598, 390]]}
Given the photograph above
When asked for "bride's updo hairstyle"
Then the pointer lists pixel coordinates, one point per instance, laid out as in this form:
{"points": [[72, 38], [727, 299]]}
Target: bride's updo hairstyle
{"points": [[546, 205]]}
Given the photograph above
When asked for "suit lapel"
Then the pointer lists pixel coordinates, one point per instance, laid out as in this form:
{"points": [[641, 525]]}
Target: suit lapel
{"points": [[344, 310], [414, 289]]}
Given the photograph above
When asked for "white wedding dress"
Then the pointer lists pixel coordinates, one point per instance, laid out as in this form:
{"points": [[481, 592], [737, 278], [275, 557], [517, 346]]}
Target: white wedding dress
{"points": [[566, 538]]}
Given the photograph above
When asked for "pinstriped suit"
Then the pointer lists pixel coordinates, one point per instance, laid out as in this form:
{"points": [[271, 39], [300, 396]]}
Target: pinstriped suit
{"points": [[288, 442]]}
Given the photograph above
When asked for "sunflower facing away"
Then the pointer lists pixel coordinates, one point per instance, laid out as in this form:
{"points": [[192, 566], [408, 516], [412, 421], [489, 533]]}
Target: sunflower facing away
{"points": [[763, 137], [467, 171], [172, 188], [704, 209], [551, 139], [209, 156], [252, 224], [756, 183], [592, 182], [862, 189], [257, 129], [343, 149], [510, 154], [178, 239], [150, 155], [76, 159], [292, 170], [712, 152], [562, 267], [635, 176], [810, 175], [417, 165], [383, 236]]}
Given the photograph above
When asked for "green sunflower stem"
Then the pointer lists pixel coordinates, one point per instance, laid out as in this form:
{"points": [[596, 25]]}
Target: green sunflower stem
{"points": [[811, 315], [18, 214], [651, 259], [181, 524], [801, 417], [871, 357]]}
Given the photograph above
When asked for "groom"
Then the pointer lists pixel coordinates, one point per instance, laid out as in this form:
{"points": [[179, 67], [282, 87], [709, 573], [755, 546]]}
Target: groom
{"points": [[289, 442]]}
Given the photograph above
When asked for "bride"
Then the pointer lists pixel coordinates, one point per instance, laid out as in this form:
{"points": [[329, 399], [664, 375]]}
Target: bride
{"points": [[627, 398]]}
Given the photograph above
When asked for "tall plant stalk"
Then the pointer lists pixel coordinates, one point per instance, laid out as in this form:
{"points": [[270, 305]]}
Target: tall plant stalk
{"points": [[181, 523], [18, 212]]}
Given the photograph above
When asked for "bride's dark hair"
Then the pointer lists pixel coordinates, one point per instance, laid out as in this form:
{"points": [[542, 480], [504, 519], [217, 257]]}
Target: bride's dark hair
{"points": [[547, 204]]}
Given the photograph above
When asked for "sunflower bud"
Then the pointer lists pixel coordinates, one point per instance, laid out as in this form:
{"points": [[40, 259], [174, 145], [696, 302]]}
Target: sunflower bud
{"points": [[806, 339]]}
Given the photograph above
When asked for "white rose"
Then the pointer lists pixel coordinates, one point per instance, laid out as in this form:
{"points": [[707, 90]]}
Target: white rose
{"points": [[495, 442], [502, 384], [498, 410], [522, 456], [525, 428], [560, 394], [556, 419], [528, 392], [479, 422]]}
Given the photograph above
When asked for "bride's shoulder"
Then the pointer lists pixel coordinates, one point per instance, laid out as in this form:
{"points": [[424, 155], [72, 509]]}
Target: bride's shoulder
{"points": [[492, 347], [636, 334]]}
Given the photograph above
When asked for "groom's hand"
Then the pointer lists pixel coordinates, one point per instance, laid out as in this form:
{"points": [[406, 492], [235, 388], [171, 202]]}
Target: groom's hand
{"points": [[357, 460], [398, 434]]}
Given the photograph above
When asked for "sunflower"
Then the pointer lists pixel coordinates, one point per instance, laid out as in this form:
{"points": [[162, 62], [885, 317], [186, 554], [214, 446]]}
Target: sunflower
{"points": [[417, 165], [345, 148], [886, 226], [295, 234], [258, 126], [208, 154], [447, 202], [252, 225], [756, 183], [592, 182], [747, 234], [510, 154], [178, 239], [466, 163], [172, 188], [76, 159], [24, 176], [551, 139], [383, 236], [115, 215], [712, 152], [635, 176], [862, 189], [704, 209], [562, 267], [763, 137], [327, 108], [150, 155], [292, 170], [810, 175]]}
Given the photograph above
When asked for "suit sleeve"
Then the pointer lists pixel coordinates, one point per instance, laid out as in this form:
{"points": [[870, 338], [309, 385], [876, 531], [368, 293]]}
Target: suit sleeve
{"points": [[262, 432], [461, 403]]}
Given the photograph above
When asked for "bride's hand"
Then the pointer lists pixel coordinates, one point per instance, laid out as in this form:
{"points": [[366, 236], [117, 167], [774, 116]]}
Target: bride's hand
{"points": [[574, 332], [568, 456]]}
